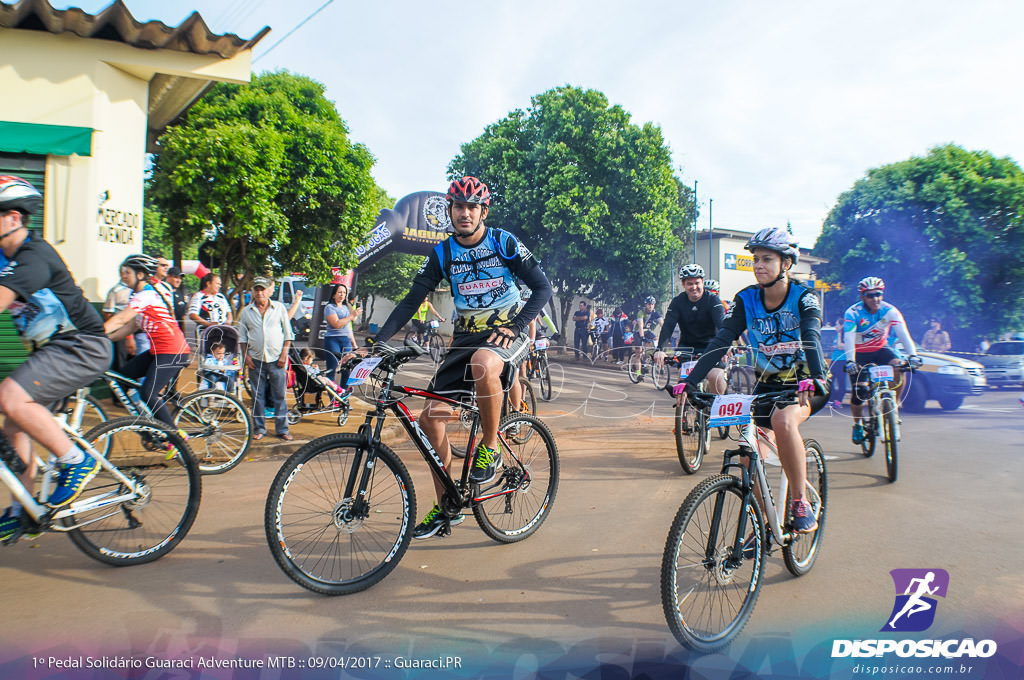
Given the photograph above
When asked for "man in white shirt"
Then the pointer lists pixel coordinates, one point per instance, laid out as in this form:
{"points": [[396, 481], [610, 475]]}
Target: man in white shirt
{"points": [[265, 334]]}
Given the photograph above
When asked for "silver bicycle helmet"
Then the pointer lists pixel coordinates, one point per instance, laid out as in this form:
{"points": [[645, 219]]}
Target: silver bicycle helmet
{"points": [[691, 271]]}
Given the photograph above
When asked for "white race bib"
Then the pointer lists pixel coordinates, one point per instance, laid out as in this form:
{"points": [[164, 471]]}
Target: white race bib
{"points": [[685, 369], [434, 323], [541, 343], [881, 373], [362, 370], [730, 409]]}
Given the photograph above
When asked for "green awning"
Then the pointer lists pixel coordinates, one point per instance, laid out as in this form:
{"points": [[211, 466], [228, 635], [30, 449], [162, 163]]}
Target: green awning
{"points": [[55, 140]]}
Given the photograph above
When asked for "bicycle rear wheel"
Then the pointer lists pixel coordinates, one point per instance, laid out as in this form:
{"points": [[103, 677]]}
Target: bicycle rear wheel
{"points": [[544, 377], [708, 595], [514, 506], [219, 429], [147, 525], [634, 368], [690, 431], [321, 534], [889, 416], [659, 376], [801, 550]]}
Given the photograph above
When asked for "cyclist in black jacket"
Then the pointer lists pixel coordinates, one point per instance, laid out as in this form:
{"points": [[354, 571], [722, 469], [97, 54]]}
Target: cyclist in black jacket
{"points": [[482, 265], [699, 314]]}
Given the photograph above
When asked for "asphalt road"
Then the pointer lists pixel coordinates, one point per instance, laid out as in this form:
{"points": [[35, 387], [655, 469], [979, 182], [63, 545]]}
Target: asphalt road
{"points": [[581, 593]]}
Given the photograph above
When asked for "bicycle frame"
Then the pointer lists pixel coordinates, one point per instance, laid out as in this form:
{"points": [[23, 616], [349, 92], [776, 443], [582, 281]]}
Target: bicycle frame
{"points": [[372, 432], [45, 515]]}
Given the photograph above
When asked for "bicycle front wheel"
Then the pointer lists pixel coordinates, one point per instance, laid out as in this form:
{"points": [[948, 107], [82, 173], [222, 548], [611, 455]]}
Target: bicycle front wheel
{"points": [[219, 429], [801, 550], [707, 594], [889, 416], [436, 347], [514, 506], [149, 522], [659, 376], [544, 376], [634, 368], [322, 533], [691, 440]]}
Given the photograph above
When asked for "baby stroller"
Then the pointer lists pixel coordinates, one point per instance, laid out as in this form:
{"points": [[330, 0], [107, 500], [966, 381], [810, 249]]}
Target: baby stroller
{"points": [[229, 377], [315, 393]]}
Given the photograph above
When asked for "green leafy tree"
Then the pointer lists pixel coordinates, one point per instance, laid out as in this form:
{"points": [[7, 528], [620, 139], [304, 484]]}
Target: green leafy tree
{"points": [[270, 168], [591, 193], [944, 231]]}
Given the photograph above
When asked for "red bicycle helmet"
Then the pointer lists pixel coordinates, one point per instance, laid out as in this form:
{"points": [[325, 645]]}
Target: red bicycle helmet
{"points": [[469, 190]]}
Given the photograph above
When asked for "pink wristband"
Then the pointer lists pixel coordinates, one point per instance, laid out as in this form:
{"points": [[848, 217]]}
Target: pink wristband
{"points": [[806, 386], [678, 389]]}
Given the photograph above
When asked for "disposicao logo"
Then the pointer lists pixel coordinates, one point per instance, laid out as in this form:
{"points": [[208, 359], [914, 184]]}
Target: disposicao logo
{"points": [[914, 611], [916, 590]]}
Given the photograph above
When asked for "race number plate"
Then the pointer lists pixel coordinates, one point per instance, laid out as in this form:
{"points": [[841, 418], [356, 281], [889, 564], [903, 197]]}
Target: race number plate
{"points": [[730, 409], [362, 370], [881, 373], [541, 343], [434, 323], [685, 369]]}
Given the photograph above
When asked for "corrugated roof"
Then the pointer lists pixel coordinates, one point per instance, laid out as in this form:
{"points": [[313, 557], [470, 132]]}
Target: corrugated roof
{"points": [[116, 23]]}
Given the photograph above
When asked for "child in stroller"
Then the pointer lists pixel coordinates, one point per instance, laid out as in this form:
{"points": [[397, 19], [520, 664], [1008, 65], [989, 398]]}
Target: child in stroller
{"points": [[220, 367], [315, 392]]}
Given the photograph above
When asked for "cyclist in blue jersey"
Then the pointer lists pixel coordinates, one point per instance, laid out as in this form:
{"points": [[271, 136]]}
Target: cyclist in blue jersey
{"points": [[783, 321], [69, 348], [482, 265]]}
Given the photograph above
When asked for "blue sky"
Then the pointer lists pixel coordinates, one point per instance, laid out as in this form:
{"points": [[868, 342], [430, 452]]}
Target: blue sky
{"points": [[773, 108]]}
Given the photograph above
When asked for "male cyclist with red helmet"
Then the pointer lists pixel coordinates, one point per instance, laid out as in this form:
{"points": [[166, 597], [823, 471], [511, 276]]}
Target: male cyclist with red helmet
{"points": [[699, 314], [69, 349], [481, 264], [866, 327], [783, 320]]}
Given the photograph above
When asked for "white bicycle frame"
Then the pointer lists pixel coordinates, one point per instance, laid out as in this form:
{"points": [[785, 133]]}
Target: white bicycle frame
{"points": [[774, 508], [38, 510], [875, 405]]}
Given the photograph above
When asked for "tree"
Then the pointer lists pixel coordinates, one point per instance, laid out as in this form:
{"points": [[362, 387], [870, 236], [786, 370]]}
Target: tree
{"points": [[944, 231], [592, 194], [269, 167]]}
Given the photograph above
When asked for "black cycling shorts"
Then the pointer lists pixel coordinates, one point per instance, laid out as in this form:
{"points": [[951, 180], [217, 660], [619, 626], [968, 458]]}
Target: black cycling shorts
{"points": [[454, 377]]}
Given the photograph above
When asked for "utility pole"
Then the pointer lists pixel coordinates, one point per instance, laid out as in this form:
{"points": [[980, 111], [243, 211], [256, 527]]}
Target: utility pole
{"points": [[711, 233], [694, 220]]}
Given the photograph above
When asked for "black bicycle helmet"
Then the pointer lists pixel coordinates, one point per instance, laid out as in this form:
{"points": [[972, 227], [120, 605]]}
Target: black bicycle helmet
{"points": [[17, 194], [469, 190], [141, 263]]}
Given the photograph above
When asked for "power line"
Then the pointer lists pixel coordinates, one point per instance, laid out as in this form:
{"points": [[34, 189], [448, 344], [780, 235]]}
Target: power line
{"points": [[301, 24]]}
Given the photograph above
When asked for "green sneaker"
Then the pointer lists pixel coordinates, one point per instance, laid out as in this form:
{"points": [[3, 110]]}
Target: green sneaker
{"points": [[485, 464], [433, 522], [11, 528]]}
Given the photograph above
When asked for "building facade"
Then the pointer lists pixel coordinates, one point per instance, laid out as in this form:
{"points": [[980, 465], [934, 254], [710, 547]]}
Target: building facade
{"points": [[85, 97]]}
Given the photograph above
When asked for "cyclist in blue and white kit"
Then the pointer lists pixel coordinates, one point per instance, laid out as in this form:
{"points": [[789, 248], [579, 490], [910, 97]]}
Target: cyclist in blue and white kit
{"points": [[783, 320], [866, 327], [482, 265]]}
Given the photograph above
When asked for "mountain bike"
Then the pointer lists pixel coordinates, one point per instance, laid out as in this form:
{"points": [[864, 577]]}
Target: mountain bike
{"points": [[218, 425], [641, 364], [714, 554], [882, 416], [690, 424], [136, 509], [537, 366], [431, 340], [341, 510]]}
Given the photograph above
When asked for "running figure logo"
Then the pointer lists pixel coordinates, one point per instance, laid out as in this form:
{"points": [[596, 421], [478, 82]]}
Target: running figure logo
{"points": [[916, 589]]}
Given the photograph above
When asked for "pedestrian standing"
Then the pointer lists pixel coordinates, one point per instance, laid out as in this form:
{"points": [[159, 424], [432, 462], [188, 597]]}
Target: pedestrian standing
{"points": [[265, 334]]}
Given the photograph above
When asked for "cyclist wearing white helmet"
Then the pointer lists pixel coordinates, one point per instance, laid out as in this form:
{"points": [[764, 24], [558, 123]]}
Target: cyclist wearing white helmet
{"points": [[645, 326], [69, 349], [866, 327], [783, 320], [699, 314]]}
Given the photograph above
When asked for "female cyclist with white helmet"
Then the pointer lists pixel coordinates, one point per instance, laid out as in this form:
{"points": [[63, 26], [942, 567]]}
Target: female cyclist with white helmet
{"points": [[783, 321]]}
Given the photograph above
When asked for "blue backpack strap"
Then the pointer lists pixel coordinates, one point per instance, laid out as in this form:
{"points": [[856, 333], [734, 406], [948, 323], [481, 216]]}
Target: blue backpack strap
{"points": [[505, 245], [443, 250]]}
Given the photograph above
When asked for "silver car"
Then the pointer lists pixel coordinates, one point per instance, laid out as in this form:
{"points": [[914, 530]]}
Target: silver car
{"points": [[1004, 363]]}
